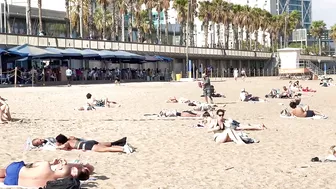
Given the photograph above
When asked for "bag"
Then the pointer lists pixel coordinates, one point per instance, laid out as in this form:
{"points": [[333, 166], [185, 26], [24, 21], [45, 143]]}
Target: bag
{"points": [[66, 183], [285, 112]]}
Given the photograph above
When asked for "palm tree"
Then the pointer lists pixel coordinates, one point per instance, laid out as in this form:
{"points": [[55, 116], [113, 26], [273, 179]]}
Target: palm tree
{"points": [[129, 6], [193, 14], [101, 23], [181, 6], [217, 16], [150, 4], [205, 16], [90, 18], [104, 4], [333, 34], [317, 29], [159, 8], [75, 16], [166, 6], [39, 5], [67, 17], [121, 4], [28, 10]]}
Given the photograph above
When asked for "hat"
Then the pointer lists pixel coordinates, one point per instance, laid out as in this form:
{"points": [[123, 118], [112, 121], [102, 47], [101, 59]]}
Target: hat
{"points": [[243, 90]]}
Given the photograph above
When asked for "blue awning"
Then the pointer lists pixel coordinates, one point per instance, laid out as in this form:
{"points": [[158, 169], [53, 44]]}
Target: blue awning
{"points": [[128, 55], [104, 54], [151, 59], [34, 52], [85, 54], [163, 58], [65, 53]]}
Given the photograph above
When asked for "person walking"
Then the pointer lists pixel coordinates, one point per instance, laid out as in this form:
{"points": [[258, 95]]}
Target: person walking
{"points": [[207, 88], [68, 73]]}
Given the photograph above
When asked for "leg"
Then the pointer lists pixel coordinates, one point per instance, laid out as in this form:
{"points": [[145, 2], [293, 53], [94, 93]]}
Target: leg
{"points": [[209, 96], [1, 117], [255, 127], [233, 136], [101, 148]]}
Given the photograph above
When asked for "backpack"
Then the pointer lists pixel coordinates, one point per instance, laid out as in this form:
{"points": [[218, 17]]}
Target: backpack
{"points": [[66, 183]]}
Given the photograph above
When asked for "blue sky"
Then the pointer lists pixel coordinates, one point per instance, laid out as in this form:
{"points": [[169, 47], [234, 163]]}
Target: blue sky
{"points": [[324, 10]]}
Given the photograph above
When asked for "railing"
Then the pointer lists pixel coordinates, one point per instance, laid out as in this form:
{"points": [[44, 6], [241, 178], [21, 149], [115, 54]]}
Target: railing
{"points": [[144, 48], [314, 69]]}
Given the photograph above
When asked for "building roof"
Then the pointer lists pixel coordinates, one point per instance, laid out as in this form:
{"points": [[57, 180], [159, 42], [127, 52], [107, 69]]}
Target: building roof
{"points": [[20, 11]]}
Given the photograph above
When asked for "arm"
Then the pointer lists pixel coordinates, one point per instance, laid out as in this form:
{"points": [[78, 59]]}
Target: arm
{"points": [[213, 127], [65, 146]]}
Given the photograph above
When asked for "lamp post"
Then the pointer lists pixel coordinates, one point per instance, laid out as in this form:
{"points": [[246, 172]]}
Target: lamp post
{"points": [[188, 64]]}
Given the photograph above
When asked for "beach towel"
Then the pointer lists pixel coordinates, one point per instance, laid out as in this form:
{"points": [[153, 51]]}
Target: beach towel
{"points": [[49, 145], [314, 117], [2, 185], [148, 117]]}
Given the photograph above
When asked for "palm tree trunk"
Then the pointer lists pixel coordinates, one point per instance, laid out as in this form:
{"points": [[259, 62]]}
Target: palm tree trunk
{"points": [[158, 28], [218, 33], [320, 46], [182, 32], [104, 22], [114, 30], [150, 39], [39, 4], [130, 28], [166, 28], [206, 33], [8, 25], [90, 19], [28, 17], [123, 27], [256, 39], [67, 16]]}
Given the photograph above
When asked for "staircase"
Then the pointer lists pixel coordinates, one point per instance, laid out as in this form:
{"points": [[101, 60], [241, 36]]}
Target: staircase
{"points": [[314, 69]]}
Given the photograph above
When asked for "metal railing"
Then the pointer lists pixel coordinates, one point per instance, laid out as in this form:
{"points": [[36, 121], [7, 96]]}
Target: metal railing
{"points": [[144, 48]]}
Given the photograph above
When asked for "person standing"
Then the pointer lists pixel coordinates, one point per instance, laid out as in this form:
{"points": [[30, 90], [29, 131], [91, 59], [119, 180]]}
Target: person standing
{"points": [[68, 73], [235, 73], [207, 88]]}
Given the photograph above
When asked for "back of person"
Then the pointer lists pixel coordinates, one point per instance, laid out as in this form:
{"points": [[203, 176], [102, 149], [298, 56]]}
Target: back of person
{"points": [[207, 84], [299, 112], [36, 176]]}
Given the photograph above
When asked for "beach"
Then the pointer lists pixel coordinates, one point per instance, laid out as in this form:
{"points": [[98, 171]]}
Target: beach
{"points": [[173, 154]]}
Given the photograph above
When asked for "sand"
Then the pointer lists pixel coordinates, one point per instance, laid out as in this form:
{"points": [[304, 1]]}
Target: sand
{"points": [[172, 154]]}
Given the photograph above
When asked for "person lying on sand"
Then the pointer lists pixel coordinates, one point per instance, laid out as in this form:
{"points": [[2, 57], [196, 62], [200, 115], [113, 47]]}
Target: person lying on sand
{"points": [[180, 100], [73, 143], [37, 142], [218, 124], [91, 103], [37, 174], [245, 96], [224, 134], [5, 115], [175, 113], [299, 111]]}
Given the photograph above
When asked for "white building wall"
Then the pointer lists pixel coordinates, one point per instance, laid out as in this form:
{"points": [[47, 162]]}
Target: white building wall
{"points": [[57, 5]]}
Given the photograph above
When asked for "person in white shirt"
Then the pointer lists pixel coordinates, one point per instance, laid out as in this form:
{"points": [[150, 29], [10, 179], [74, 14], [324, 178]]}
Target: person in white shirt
{"points": [[235, 74], [243, 74], [68, 73], [245, 97]]}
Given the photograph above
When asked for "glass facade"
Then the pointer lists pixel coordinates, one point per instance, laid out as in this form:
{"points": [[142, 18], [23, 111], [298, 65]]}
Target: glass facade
{"points": [[302, 6]]}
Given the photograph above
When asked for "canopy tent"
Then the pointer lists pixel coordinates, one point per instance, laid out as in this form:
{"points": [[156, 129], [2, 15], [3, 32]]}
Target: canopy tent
{"points": [[104, 54], [128, 55], [163, 58], [151, 59], [32, 52], [85, 54], [65, 54]]}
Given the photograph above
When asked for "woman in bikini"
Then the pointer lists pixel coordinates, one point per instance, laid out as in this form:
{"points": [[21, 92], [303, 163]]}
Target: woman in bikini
{"points": [[225, 130]]}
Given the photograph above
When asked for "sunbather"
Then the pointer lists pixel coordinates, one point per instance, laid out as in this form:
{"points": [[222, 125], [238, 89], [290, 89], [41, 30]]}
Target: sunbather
{"points": [[5, 115], [224, 134], [39, 141], [219, 124], [91, 103], [175, 113], [64, 143], [245, 96], [180, 100], [299, 111], [37, 174]]}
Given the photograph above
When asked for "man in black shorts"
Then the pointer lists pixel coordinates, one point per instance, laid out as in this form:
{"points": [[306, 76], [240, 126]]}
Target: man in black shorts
{"points": [[72, 143]]}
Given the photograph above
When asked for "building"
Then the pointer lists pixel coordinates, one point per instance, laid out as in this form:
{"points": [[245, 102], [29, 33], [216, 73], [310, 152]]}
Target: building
{"points": [[54, 22], [302, 6]]}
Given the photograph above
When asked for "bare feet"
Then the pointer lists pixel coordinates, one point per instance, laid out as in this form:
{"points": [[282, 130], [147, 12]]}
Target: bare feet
{"points": [[263, 126]]}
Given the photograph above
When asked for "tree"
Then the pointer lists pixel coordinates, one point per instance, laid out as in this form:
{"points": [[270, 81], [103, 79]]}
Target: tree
{"points": [[104, 4], [28, 14], [205, 16], [67, 18], [101, 23], [181, 6], [317, 29], [333, 35], [166, 6], [39, 5]]}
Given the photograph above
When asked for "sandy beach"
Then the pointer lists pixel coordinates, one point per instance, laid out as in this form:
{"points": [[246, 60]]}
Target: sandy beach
{"points": [[173, 154]]}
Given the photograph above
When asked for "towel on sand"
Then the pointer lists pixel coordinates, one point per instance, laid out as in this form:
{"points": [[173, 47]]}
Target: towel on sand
{"points": [[50, 144], [314, 117]]}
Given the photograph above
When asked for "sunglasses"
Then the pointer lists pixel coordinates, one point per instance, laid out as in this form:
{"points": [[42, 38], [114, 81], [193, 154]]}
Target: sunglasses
{"points": [[220, 115]]}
